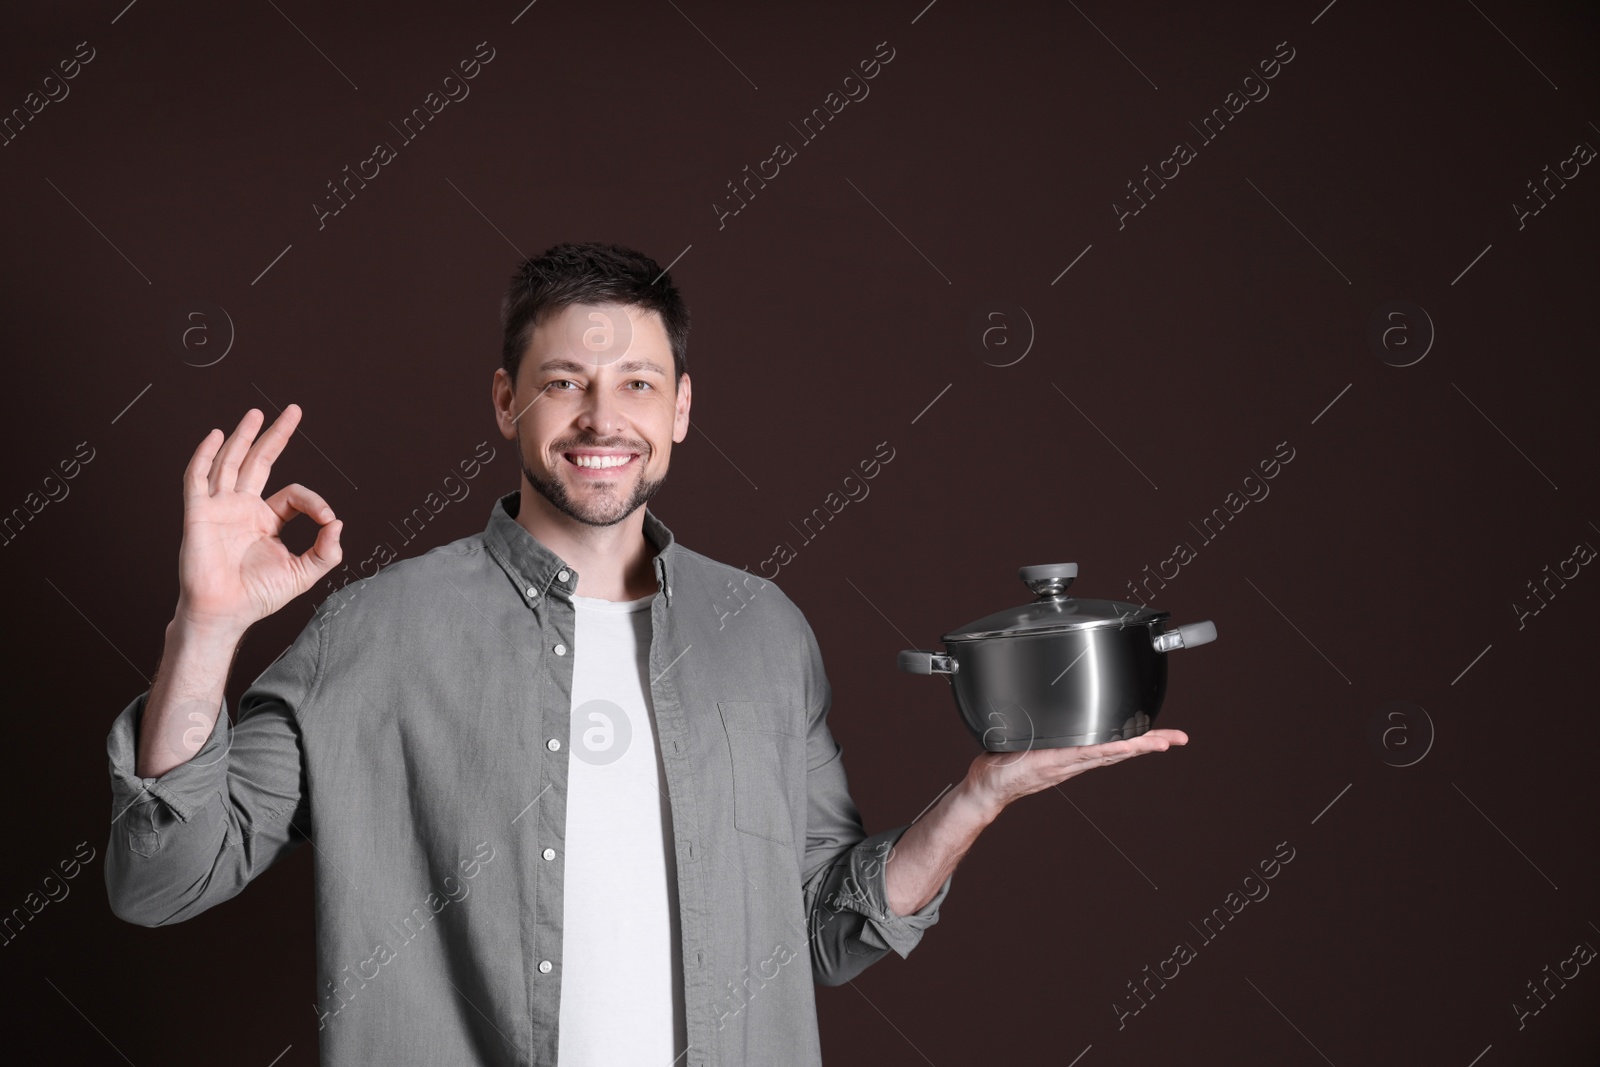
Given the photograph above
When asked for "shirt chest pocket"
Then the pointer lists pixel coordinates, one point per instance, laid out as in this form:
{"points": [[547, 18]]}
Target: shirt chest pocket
{"points": [[767, 749]]}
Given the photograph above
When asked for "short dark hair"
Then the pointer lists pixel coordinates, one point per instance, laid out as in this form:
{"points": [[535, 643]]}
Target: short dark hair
{"points": [[568, 274]]}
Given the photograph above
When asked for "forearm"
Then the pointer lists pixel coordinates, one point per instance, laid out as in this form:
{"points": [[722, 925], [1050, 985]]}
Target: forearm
{"points": [[231, 806], [929, 851], [186, 697], [194, 837]]}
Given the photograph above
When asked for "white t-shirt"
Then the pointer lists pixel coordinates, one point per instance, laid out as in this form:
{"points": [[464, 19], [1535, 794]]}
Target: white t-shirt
{"points": [[622, 979]]}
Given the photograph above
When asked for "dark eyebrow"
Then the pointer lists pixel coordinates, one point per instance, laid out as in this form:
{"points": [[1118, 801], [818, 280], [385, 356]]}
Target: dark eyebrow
{"points": [[631, 366], [627, 366]]}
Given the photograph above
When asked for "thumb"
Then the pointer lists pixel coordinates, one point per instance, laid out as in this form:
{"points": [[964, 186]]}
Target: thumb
{"points": [[324, 553]]}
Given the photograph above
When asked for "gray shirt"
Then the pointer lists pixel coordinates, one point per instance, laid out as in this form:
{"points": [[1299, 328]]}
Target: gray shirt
{"points": [[416, 733]]}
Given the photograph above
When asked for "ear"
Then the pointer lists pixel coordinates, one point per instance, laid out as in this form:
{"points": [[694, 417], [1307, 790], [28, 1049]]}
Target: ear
{"points": [[503, 395], [680, 419]]}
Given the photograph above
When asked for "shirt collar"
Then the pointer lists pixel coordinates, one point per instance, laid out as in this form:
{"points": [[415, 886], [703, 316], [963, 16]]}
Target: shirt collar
{"points": [[536, 569]]}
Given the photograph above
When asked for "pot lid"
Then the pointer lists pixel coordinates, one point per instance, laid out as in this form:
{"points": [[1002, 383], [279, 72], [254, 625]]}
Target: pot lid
{"points": [[1054, 611]]}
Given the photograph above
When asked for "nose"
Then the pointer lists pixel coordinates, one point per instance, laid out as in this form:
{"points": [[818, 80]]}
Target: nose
{"points": [[601, 415]]}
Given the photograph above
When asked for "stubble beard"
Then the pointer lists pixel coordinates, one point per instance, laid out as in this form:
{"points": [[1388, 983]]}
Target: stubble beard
{"points": [[607, 509]]}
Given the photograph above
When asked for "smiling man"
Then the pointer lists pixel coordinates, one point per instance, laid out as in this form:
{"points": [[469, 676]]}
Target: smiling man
{"points": [[561, 813]]}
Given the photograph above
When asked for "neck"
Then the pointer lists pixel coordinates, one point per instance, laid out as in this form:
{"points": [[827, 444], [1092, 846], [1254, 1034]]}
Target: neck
{"points": [[613, 562]]}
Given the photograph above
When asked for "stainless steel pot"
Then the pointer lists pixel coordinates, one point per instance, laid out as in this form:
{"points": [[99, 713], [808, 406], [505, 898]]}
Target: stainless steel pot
{"points": [[1060, 671]]}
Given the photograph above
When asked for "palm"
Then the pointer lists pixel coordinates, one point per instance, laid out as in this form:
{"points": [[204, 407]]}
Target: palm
{"points": [[1008, 776], [233, 562], [233, 567]]}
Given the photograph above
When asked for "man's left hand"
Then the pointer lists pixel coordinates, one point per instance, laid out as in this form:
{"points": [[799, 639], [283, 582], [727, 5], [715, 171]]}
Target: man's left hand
{"points": [[998, 778]]}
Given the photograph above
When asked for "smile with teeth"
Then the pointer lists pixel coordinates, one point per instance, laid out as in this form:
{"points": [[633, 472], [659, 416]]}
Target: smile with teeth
{"points": [[599, 462]]}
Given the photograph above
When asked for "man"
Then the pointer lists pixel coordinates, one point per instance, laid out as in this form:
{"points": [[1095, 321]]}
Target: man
{"points": [[564, 808]]}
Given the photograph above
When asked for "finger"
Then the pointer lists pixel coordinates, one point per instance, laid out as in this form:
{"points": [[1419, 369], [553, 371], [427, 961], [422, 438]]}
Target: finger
{"points": [[225, 469], [295, 499], [194, 475], [1105, 749], [1086, 756], [323, 555], [1138, 746], [258, 461], [1150, 741]]}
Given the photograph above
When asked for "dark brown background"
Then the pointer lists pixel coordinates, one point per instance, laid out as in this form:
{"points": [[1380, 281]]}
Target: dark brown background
{"points": [[1197, 338]]}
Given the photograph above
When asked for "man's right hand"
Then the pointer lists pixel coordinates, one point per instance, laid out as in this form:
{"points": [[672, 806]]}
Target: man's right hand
{"points": [[233, 570]]}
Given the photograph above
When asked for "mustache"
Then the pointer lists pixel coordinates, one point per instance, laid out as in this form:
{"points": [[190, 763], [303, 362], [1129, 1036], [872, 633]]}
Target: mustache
{"points": [[620, 443]]}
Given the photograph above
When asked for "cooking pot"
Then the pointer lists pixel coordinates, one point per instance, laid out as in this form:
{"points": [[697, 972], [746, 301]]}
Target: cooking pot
{"points": [[1063, 670]]}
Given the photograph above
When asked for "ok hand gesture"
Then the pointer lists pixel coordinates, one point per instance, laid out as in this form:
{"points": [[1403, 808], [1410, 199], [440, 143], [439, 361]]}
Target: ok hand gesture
{"points": [[233, 569]]}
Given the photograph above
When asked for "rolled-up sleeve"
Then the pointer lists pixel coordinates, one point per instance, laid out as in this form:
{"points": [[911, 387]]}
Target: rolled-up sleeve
{"points": [[850, 923], [197, 835]]}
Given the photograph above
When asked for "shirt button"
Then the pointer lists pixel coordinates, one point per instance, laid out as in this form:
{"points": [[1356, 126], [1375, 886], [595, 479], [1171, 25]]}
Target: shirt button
{"points": [[563, 575], [561, 650], [532, 593], [544, 966], [554, 744], [549, 853]]}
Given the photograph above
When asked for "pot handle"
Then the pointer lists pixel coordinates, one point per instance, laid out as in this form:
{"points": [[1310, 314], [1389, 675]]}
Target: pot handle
{"points": [[915, 662], [1188, 636]]}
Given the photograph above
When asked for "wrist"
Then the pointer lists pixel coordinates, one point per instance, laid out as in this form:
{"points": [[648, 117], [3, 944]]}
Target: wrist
{"points": [[979, 803], [190, 628]]}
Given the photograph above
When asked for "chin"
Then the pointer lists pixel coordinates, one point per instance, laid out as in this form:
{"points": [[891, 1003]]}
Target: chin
{"points": [[601, 516], [601, 506], [596, 505]]}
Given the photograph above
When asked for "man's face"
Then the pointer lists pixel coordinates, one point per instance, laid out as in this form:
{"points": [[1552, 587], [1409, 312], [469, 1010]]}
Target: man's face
{"points": [[594, 412]]}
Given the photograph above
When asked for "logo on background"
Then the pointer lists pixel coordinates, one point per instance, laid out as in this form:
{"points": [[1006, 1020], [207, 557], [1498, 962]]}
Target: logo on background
{"points": [[200, 332], [1000, 333], [1400, 333], [1401, 733]]}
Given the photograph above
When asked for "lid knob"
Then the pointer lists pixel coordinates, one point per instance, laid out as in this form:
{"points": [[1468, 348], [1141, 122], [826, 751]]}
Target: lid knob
{"points": [[1049, 580]]}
